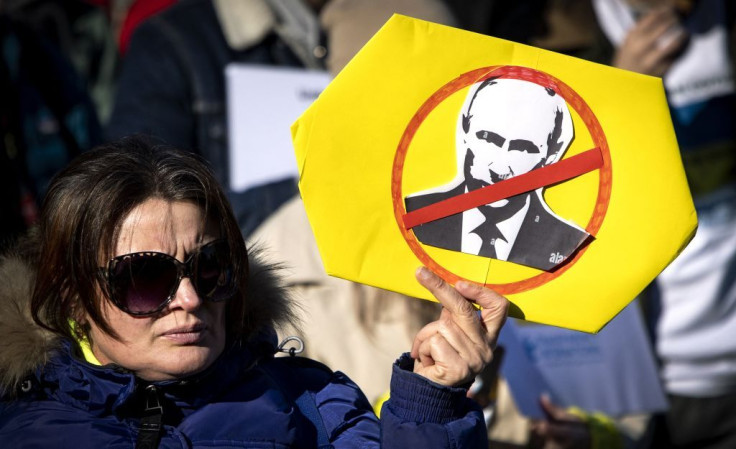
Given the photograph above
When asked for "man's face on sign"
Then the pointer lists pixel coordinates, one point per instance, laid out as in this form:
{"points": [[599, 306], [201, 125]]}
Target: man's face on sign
{"points": [[509, 131]]}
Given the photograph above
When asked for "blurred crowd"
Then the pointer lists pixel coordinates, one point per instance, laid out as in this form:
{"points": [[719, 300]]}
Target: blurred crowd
{"points": [[76, 73]]}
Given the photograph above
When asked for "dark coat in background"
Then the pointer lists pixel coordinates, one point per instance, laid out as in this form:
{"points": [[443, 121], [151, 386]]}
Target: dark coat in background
{"points": [[172, 86]]}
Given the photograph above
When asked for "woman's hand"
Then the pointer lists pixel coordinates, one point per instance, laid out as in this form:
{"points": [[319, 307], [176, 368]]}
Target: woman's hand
{"points": [[454, 349]]}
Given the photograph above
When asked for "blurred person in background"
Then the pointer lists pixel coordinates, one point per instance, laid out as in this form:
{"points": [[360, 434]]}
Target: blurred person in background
{"points": [[135, 14], [56, 72], [568, 27], [172, 82], [693, 302], [517, 21], [82, 30]]}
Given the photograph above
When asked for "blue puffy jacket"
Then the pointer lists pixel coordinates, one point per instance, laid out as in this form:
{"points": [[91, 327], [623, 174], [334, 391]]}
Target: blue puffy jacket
{"points": [[247, 398]]}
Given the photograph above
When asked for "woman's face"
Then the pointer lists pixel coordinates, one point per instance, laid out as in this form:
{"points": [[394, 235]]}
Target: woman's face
{"points": [[189, 334]]}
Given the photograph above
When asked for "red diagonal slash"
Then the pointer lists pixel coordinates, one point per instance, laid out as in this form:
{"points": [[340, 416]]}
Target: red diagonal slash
{"points": [[560, 171]]}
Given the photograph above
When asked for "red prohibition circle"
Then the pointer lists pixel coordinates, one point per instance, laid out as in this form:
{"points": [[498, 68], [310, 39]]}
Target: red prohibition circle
{"points": [[467, 79]]}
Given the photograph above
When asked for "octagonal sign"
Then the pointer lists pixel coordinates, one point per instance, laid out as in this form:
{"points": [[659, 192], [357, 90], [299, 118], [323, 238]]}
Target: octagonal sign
{"points": [[555, 181]]}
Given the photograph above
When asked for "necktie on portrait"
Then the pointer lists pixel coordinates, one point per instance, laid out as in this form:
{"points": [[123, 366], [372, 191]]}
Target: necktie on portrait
{"points": [[488, 231]]}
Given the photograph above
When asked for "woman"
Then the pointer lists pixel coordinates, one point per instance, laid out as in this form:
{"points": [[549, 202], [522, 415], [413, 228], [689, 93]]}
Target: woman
{"points": [[150, 330]]}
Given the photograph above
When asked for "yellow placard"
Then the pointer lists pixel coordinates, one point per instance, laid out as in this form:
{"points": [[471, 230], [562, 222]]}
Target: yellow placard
{"points": [[410, 120]]}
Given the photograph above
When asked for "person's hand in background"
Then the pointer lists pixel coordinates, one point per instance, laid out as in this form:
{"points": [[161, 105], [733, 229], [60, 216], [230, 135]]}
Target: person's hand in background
{"points": [[653, 43], [560, 430]]}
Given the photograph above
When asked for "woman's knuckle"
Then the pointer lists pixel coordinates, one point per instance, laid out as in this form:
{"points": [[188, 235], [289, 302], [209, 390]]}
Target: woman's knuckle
{"points": [[445, 326], [486, 356], [465, 372], [476, 365]]}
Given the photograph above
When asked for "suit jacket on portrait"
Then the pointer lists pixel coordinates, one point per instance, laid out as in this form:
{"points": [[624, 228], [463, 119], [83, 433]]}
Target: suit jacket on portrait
{"points": [[543, 242]]}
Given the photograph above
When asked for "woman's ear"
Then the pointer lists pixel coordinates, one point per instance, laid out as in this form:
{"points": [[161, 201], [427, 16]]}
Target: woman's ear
{"points": [[78, 321]]}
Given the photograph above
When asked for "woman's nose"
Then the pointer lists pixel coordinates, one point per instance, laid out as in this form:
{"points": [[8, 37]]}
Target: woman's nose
{"points": [[186, 296]]}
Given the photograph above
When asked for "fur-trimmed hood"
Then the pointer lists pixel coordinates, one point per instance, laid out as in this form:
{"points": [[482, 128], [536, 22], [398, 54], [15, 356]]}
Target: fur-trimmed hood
{"points": [[25, 346]]}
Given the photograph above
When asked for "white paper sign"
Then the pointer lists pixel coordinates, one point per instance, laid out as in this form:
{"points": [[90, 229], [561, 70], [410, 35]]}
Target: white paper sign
{"points": [[263, 102], [613, 372]]}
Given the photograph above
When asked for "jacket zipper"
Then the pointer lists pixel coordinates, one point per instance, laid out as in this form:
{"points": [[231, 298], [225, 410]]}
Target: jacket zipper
{"points": [[149, 433]]}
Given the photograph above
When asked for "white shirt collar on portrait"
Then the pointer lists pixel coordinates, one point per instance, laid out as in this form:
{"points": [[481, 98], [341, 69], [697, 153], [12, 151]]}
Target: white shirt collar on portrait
{"points": [[510, 227]]}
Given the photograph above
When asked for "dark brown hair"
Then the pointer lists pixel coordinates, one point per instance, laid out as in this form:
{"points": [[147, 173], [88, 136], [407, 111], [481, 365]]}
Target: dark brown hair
{"points": [[81, 218]]}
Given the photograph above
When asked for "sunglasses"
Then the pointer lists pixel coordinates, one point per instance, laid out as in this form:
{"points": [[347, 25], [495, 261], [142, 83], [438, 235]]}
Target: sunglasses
{"points": [[142, 284]]}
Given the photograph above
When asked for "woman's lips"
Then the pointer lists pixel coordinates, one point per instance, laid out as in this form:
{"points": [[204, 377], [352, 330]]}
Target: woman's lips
{"points": [[186, 335]]}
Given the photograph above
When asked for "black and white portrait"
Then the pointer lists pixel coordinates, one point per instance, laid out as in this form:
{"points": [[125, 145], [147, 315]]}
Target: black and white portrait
{"points": [[506, 127]]}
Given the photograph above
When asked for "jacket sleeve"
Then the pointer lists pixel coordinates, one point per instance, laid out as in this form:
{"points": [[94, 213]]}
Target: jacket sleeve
{"points": [[420, 413], [153, 92]]}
